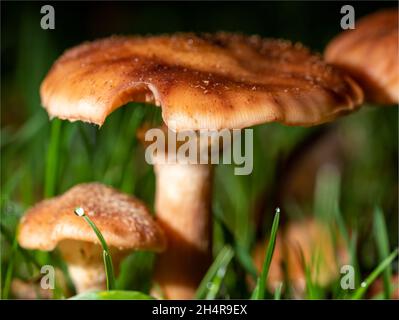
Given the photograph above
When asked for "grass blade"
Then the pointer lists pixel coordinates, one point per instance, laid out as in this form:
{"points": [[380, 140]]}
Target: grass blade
{"points": [[255, 293], [27, 255], [380, 233], [10, 269], [245, 259], [259, 291], [217, 281], [242, 255], [109, 269], [52, 159], [358, 294], [136, 271], [350, 241], [310, 288], [215, 275], [277, 292]]}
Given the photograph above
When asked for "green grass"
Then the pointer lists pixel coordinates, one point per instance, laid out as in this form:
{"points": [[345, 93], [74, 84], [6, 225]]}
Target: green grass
{"points": [[108, 266], [386, 263], [259, 291], [10, 270], [277, 292], [212, 281], [380, 233], [53, 152]]}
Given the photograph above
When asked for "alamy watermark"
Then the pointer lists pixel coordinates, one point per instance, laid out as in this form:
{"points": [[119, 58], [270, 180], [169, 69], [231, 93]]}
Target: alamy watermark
{"points": [[348, 18], [202, 147], [48, 279], [348, 278], [48, 19]]}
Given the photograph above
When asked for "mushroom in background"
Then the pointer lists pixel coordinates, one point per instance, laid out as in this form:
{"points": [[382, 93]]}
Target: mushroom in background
{"points": [[322, 256], [123, 220], [369, 53], [311, 240], [376, 289], [31, 289], [21, 289], [208, 81], [298, 179]]}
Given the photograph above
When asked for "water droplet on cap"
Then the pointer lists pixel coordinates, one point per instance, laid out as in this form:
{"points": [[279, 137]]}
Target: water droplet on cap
{"points": [[79, 212]]}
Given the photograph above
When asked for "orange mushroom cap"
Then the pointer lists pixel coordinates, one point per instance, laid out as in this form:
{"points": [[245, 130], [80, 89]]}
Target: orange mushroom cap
{"points": [[370, 54], [208, 81], [123, 220]]}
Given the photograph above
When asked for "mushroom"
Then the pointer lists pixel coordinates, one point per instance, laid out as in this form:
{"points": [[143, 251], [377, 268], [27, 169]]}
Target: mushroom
{"points": [[29, 290], [311, 240], [317, 153], [123, 220], [207, 81], [369, 53]]}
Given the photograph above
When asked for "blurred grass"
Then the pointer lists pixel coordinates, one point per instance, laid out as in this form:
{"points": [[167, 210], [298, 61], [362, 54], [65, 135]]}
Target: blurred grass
{"points": [[51, 173], [39, 157], [10, 270], [359, 293], [380, 233], [210, 285]]}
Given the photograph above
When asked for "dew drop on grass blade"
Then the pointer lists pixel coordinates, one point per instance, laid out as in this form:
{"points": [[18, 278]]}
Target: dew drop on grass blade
{"points": [[109, 269], [210, 284], [374, 275]]}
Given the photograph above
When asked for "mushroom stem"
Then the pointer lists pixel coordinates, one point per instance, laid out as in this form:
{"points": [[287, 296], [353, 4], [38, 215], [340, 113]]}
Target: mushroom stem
{"points": [[182, 204], [86, 265], [87, 278]]}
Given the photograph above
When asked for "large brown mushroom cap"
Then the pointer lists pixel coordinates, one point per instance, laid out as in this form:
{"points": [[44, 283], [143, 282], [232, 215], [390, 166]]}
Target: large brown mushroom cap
{"points": [[370, 54], [201, 81], [123, 220]]}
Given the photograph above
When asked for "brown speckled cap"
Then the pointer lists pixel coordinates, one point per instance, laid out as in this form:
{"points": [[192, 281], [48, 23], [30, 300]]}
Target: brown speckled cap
{"points": [[123, 220], [207, 81], [370, 54]]}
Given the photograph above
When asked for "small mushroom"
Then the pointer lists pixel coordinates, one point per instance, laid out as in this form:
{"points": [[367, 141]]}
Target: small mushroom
{"points": [[310, 240], [29, 290], [123, 220], [369, 53], [207, 81], [313, 241]]}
